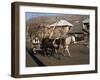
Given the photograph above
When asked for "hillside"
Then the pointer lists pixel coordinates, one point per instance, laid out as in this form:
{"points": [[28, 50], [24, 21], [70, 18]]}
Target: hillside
{"points": [[34, 24]]}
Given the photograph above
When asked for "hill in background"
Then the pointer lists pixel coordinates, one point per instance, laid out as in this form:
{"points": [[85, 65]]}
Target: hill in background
{"points": [[76, 20]]}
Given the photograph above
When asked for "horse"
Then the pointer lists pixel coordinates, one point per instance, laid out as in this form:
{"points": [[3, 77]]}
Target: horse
{"points": [[47, 46], [64, 44], [56, 44]]}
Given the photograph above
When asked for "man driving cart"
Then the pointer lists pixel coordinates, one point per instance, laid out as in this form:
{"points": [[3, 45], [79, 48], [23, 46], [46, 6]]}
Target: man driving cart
{"points": [[36, 44]]}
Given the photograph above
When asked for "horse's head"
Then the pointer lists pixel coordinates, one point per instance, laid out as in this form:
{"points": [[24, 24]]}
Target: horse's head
{"points": [[73, 39]]}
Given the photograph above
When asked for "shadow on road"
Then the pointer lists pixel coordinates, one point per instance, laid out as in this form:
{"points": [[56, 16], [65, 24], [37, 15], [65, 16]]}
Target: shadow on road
{"points": [[39, 63]]}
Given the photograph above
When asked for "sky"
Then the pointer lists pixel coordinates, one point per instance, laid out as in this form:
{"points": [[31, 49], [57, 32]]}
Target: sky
{"points": [[30, 15]]}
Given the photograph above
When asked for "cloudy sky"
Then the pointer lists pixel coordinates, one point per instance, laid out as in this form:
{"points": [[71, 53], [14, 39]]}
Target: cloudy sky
{"points": [[30, 15]]}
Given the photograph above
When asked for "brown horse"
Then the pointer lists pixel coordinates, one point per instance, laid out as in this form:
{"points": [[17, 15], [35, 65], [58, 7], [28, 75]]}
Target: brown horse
{"points": [[55, 44]]}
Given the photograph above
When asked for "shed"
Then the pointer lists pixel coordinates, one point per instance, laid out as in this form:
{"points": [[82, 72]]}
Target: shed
{"points": [[60, 28], [86, 25], [62, 23]]}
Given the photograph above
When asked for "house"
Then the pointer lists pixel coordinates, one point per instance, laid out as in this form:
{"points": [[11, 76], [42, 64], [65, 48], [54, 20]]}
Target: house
{"points": [[86, 25], [60, 28]]}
